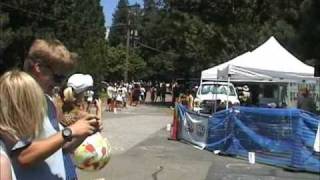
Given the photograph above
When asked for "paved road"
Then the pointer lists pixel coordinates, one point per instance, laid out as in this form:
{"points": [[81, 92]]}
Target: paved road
{"points": [[141, 151]]}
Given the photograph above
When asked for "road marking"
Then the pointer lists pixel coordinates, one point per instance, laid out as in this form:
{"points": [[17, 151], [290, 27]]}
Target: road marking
{"points": [[241, 166], [247, 177]]}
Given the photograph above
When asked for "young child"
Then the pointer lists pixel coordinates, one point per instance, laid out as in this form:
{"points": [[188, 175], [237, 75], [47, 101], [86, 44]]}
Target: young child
{"points": [[74, 102], [22, 110], [77, 101]]}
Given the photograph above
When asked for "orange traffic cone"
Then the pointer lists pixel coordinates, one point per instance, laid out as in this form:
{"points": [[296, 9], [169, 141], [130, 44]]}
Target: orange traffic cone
{"points": [[175, 126]]}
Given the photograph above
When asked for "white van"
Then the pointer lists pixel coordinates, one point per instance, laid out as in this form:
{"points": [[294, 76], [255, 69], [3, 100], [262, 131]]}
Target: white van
{"points": [[215, 95]]}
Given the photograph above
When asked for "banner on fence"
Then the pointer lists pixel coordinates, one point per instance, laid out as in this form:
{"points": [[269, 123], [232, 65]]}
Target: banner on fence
{"points": [[194, 127]]}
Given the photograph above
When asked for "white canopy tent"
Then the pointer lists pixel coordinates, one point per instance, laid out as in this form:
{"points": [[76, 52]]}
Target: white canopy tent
{"points": [[268, 62], [241, 74], [212, 73]]}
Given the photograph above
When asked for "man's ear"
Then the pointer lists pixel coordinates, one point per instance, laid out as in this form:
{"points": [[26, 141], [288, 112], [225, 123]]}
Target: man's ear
{"points": [[36, 68]]}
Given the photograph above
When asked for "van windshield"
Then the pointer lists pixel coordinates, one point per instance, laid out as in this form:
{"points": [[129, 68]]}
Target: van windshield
{"points": [[217, 89]]}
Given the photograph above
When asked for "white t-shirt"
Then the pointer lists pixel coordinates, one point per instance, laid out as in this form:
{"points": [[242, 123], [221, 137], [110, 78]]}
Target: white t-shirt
{"points": [[3, 152], [130, 88], [110, 90], [124, 92], [55, 161], [142, 90]]}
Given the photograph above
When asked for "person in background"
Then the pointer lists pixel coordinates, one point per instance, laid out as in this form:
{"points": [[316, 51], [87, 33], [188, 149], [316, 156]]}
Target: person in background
{"points": [[114, 98], [183, 99], [196, 105], [110, 102], [119, 98], [163, 91], [147, 87], [130, 91], [158, 92], [306, 102], [142, 94], [245, 96], [153, 93], [124, 95], [135, 95], [190, 99], [22, 110], [90, 95], [47, 156], [175, 93]]}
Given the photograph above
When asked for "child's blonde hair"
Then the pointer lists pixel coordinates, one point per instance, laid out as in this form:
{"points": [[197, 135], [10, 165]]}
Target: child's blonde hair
{"points": [[68, 95], [22, 104]]}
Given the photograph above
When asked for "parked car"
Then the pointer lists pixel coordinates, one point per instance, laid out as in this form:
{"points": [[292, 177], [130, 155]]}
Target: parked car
{"points": [[215, 95]]}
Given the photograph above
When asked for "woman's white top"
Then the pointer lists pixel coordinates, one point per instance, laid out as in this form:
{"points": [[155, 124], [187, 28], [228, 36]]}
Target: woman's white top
{"points": [[3, 152], [51, 168]]}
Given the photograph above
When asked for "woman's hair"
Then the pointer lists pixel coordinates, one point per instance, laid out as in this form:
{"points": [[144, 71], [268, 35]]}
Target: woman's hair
{"points": [[22, 104]]}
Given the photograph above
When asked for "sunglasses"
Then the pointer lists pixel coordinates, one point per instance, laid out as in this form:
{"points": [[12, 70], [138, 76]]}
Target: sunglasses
{"points": [[57, 78]]}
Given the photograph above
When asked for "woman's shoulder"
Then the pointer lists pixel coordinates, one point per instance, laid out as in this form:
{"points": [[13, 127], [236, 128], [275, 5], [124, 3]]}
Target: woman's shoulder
{"points": [[4, 160], [5, 164]]}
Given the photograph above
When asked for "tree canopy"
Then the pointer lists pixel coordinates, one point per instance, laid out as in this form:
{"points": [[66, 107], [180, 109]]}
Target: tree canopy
{"points": [[168, 38]]}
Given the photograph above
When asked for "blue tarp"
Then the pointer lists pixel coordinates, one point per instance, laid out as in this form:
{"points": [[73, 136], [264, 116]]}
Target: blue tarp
{"points": [[281, 137]]}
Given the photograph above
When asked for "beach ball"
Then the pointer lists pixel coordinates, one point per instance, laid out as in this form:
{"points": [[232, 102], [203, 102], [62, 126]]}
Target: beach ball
{"points": [[93, 154]]}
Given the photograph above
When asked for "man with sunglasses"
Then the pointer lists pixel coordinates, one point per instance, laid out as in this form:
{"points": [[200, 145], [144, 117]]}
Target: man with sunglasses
{"points": [[47, 157]]}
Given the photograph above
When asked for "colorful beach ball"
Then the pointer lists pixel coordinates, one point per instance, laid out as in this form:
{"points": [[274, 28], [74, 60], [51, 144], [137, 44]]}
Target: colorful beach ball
{"points": [[93, 154]]}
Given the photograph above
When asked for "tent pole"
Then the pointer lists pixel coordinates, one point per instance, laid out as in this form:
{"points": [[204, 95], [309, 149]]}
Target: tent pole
{"points": [[215, 98], [228, 89]]}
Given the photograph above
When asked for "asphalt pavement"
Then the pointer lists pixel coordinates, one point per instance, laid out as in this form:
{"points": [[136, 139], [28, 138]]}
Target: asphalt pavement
{"points": [[141, 151]]}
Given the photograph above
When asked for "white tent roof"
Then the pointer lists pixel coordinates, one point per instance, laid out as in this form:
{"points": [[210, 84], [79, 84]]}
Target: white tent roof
{"points": [[269, 57], [241, 74], [212, 73]]}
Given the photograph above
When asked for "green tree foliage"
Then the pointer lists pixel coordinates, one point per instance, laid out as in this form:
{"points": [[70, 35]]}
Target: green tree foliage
{"points": [[243, 24], [6, 37], [168, 38], [309, 30], [190, 35], [120, 24], [115, 60], [125, 20], [86, 36], [149, 5]]}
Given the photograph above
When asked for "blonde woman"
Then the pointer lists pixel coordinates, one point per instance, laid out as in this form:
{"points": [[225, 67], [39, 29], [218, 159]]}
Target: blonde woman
{"points": [[22, 109]]}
